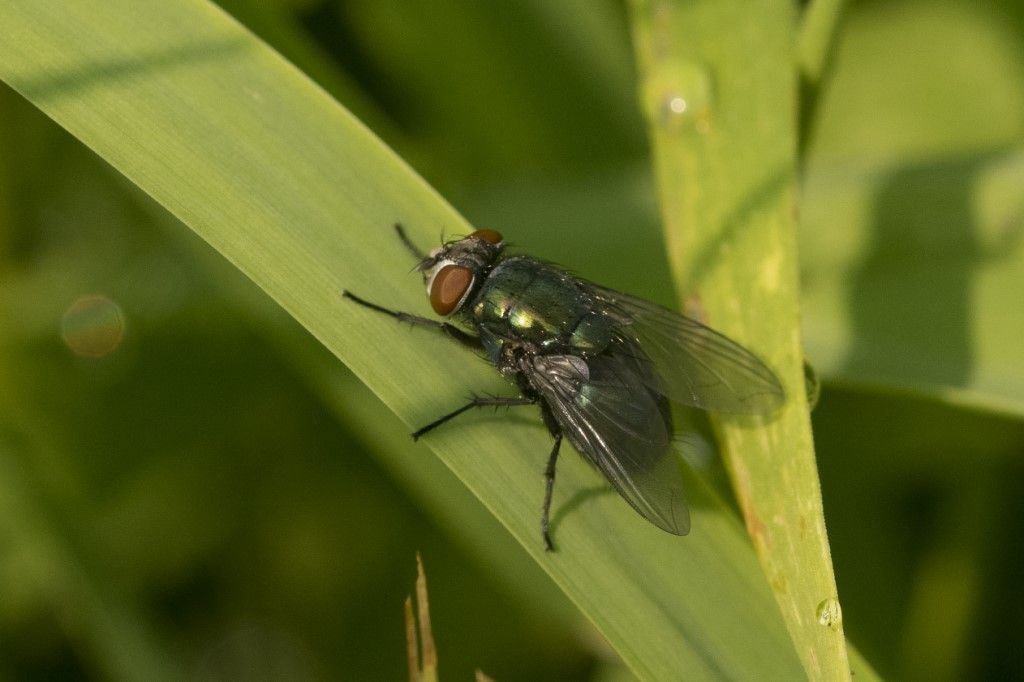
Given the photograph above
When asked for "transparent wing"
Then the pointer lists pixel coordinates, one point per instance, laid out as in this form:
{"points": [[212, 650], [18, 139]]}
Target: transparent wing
{"points": [[694, 364], [621, 426]]}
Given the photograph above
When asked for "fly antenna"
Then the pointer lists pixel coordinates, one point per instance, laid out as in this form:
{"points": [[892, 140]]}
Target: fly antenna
{"points": [[413, 249]]}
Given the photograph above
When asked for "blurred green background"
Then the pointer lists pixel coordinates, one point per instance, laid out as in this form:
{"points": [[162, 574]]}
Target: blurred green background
{"points": [[191, 486]]}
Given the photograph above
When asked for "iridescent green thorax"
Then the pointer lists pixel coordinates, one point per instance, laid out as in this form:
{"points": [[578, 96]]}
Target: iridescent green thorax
{"points": [[525, 300]]}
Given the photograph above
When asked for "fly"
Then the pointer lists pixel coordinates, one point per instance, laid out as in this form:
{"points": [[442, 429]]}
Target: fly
{"points": [[601, 365]]}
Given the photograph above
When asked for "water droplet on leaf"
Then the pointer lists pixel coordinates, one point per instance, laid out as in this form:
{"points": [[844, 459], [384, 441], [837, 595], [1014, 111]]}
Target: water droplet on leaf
{"points": [[677, 97], [830, 614]]}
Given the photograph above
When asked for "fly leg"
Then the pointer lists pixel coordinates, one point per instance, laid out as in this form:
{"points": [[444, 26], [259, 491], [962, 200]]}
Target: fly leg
{"points": [[475, 402], [549, 488], [450, 330]]}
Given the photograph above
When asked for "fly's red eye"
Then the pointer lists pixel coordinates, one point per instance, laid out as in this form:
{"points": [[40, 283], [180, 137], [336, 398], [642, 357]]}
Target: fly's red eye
{"points": [[489, 236], [449, 287]]}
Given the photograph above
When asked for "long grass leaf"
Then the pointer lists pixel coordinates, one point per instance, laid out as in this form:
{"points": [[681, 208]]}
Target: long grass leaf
{"points": [[718, 89]]}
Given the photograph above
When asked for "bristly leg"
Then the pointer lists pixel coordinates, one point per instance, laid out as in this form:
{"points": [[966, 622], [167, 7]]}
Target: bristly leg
{"points": [[549, 487], [450, 330], [475, 402]]}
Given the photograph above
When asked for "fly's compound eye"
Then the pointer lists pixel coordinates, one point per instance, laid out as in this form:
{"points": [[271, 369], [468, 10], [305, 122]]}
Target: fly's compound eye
{"points": [[489, 236], [449, 288]]}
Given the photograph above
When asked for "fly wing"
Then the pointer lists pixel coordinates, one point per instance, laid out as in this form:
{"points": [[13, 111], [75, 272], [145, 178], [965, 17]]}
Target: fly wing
{"points": [[621, 426], [695, 365]]}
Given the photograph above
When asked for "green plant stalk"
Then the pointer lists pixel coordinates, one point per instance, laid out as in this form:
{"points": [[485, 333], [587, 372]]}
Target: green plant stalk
{"points": [[818, 27], [719, 92], [289, 187]]}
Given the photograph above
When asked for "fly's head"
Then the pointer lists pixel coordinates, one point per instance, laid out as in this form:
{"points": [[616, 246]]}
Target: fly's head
{"points": [[452, 270]]}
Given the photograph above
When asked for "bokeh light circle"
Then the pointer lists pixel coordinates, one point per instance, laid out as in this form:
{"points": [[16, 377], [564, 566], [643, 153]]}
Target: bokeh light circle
{"points": [[93, 326]]}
